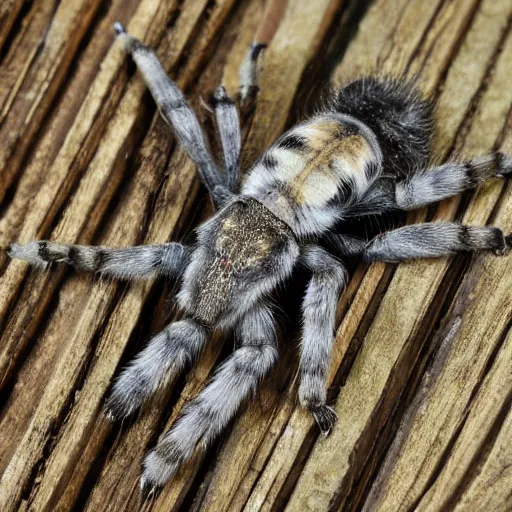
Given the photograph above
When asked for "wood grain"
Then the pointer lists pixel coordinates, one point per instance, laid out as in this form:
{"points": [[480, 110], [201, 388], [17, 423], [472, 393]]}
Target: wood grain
{"points": [[421, 366]]}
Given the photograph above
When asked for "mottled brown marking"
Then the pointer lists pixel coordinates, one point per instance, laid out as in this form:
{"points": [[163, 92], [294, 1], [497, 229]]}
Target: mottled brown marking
{"points": [[325, 131], [331, 140]]}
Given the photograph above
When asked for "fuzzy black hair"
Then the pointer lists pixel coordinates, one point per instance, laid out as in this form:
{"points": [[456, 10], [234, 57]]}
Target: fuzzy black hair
{"points": [[394, 109]]}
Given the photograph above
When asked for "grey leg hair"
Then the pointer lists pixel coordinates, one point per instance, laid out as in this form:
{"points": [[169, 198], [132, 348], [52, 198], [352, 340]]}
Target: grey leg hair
{"points": [[450, 179], [319, 310], [435, 239], [126, 263], [345, 245], [175, 110], [210, 412], [164, 357], [378, 199], [228, 125]]}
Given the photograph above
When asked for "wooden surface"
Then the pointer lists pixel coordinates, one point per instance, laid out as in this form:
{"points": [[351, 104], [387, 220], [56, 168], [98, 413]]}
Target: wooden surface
{"points": [[422, 368]]}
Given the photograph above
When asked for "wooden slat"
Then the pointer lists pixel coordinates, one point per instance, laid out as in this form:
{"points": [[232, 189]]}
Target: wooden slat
{"points": [[481, 452], [61, 177], [34, 192], [9, 11], [475, 343], [41, 74], [23, 50], [59, 124], [421, 365]]}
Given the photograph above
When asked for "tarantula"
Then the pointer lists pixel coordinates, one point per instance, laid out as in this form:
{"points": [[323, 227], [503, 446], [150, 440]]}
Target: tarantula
{"points": [[366, 153]]}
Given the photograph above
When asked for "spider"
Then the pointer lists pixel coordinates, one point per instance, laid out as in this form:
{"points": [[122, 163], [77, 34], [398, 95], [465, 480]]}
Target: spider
{"points": [[366, 153]]}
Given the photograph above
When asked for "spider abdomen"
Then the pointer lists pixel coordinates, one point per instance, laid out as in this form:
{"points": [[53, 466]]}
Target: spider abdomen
{"points": [[318, 171]]}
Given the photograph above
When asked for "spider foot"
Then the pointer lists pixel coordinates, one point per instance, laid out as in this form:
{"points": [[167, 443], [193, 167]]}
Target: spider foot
{"points": [[220, 95], [110, 416], [506, 246], [118, 27], [250, 70], [115, 410], [147, 489], [156, 471], [325, 417]]}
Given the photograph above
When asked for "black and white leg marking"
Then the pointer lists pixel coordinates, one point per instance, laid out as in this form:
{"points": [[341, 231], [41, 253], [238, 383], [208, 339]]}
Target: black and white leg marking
{"points": [[435, 239], [176, 111], [125, 263], [319, 310], [209, 413], [345, 245], [250, 70], [165, 356], [228, 125], [450, 179], [251, 66]]}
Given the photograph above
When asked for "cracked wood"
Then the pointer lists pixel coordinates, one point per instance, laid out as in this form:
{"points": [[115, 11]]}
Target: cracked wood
{"points": [[421, 369]]}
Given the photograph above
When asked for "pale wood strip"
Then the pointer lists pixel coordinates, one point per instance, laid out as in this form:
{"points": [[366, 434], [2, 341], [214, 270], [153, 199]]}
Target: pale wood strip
{"points": [[491, 488], [36, 86], [476, 473]]}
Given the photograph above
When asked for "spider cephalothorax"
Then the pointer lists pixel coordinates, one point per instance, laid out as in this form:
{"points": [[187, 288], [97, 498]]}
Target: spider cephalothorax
{"points": [[241, 254], [366, 153]]}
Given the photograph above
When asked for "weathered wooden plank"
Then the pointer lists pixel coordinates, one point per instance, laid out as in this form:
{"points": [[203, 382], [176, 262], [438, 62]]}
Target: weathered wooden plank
{"points": [[467, 342], [494, 106], [39, 80], [63, 174], [9, 10], [22, 52], [100, 170], [26, 199], [481, 453], [490, 489], [61, 118]]}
